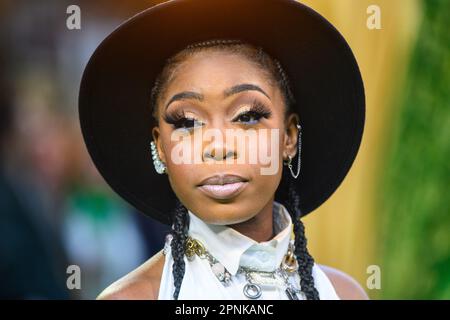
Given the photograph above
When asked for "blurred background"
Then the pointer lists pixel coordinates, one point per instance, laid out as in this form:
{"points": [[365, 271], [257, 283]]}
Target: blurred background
{"points": [[391, 211]]}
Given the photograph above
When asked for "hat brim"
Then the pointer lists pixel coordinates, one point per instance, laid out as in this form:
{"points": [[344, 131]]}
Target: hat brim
{"points": [[114, 98]]}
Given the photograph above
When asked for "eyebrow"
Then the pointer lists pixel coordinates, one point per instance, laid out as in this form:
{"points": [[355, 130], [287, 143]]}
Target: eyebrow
{"points": [[228, 92]]}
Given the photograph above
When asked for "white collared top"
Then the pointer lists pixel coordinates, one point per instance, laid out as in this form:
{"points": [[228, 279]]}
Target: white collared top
{"points": [[233, 249]]}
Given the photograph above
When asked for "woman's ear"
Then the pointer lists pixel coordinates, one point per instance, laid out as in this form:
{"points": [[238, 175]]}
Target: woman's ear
{"points": [[156, 138], [291, 136]]}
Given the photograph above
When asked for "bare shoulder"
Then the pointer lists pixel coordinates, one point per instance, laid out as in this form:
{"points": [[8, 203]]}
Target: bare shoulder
{"points": [[140, 284], [346, 287]]}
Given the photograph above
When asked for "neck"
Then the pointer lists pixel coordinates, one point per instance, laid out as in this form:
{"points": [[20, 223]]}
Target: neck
{"points": [[260, 227]]}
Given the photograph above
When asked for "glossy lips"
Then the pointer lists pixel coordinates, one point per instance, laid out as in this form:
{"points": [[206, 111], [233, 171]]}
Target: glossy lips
{"points": [[223, 186]]}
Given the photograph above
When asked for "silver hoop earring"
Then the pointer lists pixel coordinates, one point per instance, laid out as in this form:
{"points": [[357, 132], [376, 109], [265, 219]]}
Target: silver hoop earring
{"points": [[160, 167], [289, 162]]}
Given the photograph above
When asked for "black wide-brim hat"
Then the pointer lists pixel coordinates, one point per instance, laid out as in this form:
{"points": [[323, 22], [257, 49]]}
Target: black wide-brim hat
{"points": [[114, 100]]}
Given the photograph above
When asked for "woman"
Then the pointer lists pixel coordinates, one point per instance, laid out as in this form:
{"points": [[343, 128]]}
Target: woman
{"points": [[215, 87]]}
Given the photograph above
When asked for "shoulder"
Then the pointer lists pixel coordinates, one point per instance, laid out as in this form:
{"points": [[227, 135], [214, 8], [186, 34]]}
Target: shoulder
{"points": [[140, 284], [346, 287]]}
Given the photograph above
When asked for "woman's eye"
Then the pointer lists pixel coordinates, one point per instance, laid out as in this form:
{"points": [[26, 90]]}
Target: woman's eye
{"points": [[180, 121], [250, 117], [187, 123]]}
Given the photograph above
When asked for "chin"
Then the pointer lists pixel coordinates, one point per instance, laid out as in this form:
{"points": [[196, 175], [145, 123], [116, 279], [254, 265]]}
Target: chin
{"points": [[225, 214]]}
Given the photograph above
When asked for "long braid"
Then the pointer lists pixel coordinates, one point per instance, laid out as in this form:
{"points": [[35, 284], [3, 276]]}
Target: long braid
{"points": [[305, 260], [179, 233]]}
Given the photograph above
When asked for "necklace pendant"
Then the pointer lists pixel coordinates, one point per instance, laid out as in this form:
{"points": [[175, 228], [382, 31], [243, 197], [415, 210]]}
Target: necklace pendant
{"points": [[194, 247], [221, 273], [252, 291], [289, 262], [291, 294]]}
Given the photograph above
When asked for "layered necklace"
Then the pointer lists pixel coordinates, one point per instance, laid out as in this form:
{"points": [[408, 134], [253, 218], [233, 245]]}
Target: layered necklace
{"points": [[256, 279]]}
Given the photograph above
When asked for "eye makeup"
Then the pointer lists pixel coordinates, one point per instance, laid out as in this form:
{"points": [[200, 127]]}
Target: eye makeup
{"points": [[250, 116], [179, 119], [257, 110]]}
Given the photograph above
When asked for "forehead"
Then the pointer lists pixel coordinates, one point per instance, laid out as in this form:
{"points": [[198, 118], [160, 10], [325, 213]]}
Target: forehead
{"points": [[211, 72]]}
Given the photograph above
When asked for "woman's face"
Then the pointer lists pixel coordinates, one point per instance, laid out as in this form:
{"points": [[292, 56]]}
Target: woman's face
{"points": [[221, 113]]}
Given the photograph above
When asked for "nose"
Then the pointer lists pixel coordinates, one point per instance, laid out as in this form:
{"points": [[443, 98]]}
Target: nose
{"points": [[220, 150], [218, 154]]}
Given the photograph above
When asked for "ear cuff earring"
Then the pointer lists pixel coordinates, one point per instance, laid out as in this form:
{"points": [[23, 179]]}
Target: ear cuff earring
{"points": [[160, 167], [289, 161]]}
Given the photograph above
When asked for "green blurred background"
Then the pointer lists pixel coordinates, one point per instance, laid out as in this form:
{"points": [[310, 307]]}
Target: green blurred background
{"points": [[414, 187]]}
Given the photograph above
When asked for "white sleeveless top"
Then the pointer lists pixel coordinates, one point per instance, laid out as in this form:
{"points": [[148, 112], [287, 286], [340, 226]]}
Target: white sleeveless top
{"points": [[233, 249]]}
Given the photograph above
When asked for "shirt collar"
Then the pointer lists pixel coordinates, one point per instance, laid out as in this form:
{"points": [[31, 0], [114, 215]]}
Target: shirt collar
{"points": [[232, 249]]}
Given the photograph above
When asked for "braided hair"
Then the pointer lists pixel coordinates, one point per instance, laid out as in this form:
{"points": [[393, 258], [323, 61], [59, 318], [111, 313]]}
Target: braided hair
{"points": [[304, 259], [180, 226]]}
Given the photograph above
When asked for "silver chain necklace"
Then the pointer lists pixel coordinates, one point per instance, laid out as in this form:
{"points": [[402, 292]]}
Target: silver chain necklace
{"points": [[256, 279]]}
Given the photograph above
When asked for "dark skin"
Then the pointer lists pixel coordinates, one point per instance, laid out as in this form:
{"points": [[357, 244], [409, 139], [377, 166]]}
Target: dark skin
{"points": [[211, 74]]}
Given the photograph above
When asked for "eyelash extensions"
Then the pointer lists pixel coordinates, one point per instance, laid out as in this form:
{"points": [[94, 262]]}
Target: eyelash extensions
{"points": [[257, 111], [178, 119]]}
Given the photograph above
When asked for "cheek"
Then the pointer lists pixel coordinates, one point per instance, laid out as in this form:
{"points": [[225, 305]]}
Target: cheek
{"points": [[275, 138], [267, 172], [270, 142], [181, 175], [269, 150], [182, 180]]}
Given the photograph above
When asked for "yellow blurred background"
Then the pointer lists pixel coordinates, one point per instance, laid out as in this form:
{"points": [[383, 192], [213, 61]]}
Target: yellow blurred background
{"points": [[343, 232]]}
